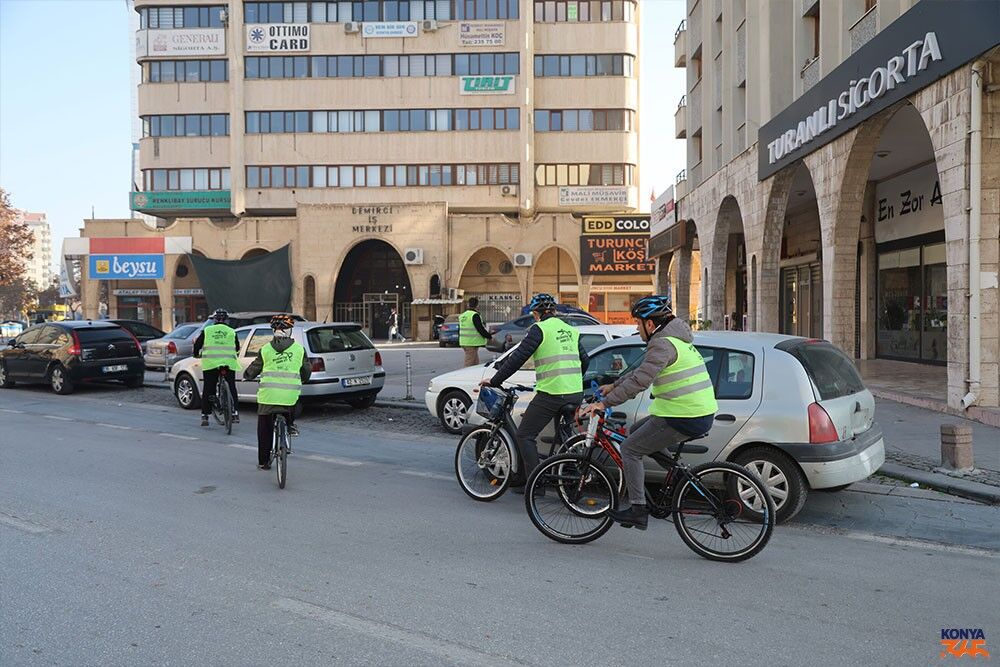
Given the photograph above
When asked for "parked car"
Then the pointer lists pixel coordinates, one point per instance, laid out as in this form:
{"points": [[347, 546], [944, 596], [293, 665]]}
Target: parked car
{"points": [[450, 396], [143, 332], [66, 354], [176, 345], [509, 334], [242, 319], [345, 365], [448, 333], [792, 409]]}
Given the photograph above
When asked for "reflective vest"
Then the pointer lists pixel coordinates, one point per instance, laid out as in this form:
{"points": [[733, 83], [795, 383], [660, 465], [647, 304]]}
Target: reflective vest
{"points": [[557, 360], [280, 382], [468, 335], [684, 388], [219, 349]]}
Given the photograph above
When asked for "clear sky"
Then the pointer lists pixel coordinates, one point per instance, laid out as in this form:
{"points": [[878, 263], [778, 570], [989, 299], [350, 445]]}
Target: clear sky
{"points": [[65, 126]]}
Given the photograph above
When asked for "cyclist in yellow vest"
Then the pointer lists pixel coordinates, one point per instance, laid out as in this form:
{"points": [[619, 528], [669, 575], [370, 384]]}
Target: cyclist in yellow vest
{"points": [[472, 333], [217, 346], [283, 368], [560, 361], [683, 397]]}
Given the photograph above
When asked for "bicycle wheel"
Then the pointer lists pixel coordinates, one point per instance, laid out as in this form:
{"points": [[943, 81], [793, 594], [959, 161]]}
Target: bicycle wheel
{"points": [[484, 465], [226, 405], [577, 444], [281, 455], [711, 517], [568, 498]]}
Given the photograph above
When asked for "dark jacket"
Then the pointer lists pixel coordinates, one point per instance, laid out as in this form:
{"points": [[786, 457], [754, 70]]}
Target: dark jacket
{"points": [[199, 343], [257, 365], [523, 352]]}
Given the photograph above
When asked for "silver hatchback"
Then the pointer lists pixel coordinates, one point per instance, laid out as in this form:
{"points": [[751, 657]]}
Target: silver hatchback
{"points": [[345, 365]]}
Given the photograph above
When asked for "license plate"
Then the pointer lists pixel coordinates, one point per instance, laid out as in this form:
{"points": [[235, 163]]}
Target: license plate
{"points": [[355, 382], [115, 369]]}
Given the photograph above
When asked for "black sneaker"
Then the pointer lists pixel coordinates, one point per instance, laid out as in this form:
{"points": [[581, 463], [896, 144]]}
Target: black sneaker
{"points": [[204, 420], [293, 431], [266, 466], [636, 516], [236, 418]]}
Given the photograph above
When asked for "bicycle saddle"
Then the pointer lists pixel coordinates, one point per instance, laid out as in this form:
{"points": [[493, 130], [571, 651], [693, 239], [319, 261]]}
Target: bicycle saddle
{"points": [[568, 411]]}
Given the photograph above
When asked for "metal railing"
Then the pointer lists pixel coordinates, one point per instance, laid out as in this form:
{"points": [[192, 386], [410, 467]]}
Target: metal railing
{"points": [[682, 176], [682, 103], [680, 29]]}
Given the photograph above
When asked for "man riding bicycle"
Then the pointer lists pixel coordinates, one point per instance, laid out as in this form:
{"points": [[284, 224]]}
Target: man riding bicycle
{"points": [[683, 404], [218, 348], [283, 367], [560, 361]]}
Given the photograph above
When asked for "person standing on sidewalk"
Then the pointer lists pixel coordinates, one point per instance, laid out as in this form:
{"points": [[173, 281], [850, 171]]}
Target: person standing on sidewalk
{"points": [[472, 333], [393, 323]]}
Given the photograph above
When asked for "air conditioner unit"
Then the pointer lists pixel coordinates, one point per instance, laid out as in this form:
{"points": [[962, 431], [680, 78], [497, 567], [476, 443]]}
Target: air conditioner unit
{"points": [[508, 190], [454, 293], [352, 27], [522, 259], [414, 256], [429, 25]]}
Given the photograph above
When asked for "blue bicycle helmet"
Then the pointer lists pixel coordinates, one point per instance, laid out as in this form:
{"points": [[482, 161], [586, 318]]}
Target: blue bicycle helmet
{"points": [[542, 302], [652, 308]]}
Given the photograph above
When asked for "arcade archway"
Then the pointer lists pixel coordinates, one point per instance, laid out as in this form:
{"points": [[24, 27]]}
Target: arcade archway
{"points": [[372, 281]]}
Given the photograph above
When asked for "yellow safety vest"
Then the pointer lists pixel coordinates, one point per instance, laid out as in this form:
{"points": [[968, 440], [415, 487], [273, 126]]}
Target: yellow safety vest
{"points": [[557, 360], [219, 349], [280, 382], [468, 335], [684, 388]]}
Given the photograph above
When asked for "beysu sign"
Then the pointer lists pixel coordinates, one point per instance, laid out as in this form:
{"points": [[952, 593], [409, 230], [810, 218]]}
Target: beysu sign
{"points": [[126, 267]]}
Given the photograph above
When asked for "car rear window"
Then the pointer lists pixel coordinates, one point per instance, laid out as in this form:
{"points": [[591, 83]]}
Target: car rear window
{"points": [[101, 335], [323, 340], [182, 332], [832, 371]]}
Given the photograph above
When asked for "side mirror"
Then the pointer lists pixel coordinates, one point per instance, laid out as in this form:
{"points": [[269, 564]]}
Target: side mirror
{"points": [[11, 343]]}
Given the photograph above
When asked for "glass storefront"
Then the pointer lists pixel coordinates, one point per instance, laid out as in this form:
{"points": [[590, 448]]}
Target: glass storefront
{"points": [[913, 304], [802, 300], [190, 309], [143, 308]]}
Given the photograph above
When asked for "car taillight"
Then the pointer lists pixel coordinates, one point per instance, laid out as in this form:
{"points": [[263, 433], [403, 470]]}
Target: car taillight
{"points": [[75, 349], [171, 348], [317, 364], [378, 358], [821, 428], [138, 347]]}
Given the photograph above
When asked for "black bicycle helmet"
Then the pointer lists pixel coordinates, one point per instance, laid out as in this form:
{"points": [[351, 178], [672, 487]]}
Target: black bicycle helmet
{"points": [[220, 315], [542, 303], [655, 307]]}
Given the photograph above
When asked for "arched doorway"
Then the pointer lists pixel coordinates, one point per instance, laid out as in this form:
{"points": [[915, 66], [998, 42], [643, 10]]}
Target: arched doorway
{"points": [[685, 277], [489, 275], [727, 289], [800, 257], [255, 252], [189, 299], [372, 281], [554, 272]]}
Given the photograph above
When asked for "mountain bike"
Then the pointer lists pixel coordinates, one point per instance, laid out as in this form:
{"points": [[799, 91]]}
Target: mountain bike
{"points": [[721, 510], [486, 457], [280, 449], [222, 402]]}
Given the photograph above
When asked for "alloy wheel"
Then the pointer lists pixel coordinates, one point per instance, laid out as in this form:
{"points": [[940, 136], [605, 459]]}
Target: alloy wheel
{"points": [[185, 392], [773, 479], [57, 379], [455, 413]]}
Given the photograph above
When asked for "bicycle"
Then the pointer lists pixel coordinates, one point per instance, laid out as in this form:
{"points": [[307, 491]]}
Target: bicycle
{"points": [[222, 401], [579, 492], [280, 449], [486, 456]]}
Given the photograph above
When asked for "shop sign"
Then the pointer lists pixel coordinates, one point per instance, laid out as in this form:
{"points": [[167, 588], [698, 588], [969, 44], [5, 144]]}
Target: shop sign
{"points": [[616, 224], [126, 267], [662, 212], [923, 45], [374, 219], [277, 37], [908, 205], [486, 85], [481, 34], [596, 195], [154, 292], [194, 199], [180, 42], [389, 29], [615, 254]]}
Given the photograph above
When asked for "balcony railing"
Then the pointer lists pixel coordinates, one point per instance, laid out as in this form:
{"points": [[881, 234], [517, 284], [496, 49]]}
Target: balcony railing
{"points": [[680, 119], [682, 176], [680, 45], [810, 74], [864, 29]]}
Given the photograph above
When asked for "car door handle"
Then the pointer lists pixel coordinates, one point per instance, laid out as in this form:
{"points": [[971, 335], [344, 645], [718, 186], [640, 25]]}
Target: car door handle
{"points": [[725, 418]]}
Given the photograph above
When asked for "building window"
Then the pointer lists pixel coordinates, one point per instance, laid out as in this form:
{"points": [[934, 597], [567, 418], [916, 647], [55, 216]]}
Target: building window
{"points": [[584, 174], [167, 18], [374, 176], [381, 66], [187, 125], [388, 120], [340, 11], [583, 120], [584, 65], [185, 179], [582, 11], [171, 71]]}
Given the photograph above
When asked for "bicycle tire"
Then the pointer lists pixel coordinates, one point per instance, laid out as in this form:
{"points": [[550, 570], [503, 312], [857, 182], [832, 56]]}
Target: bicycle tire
{"points": [[766, 519], [551, 475], [226, 405], [281, 437], [484, 484], [577, 444]]}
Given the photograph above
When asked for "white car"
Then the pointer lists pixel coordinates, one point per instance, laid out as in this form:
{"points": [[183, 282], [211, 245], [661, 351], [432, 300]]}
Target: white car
{"points": [[345, 365], [449, 396]]}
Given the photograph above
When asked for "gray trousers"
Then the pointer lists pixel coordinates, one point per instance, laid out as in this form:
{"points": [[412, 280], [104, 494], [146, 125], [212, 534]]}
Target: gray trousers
{"points": [[542, 409], [649, 435]]}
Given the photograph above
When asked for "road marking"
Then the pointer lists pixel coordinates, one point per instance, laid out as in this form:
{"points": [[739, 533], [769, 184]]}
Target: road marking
{"points": [[625, 553], [898, 541], [115, 426], [178, 437], [428, 475], [58, 418], [441, 648], [239, 446], [21, 524], [331, 459], [13, 412]]}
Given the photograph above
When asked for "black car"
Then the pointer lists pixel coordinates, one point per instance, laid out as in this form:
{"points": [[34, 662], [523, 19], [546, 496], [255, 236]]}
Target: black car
{"points": [[509, 334], [143, 332], [64, 354]]}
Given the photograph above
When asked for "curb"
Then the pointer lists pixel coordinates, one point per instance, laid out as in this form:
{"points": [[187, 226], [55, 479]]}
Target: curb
{"points": [[989, 417], [159, 385], [978, 491], [400, 403]]}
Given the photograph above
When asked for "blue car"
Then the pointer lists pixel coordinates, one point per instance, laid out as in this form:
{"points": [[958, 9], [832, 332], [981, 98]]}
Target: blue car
{"points": [[448, 333]]}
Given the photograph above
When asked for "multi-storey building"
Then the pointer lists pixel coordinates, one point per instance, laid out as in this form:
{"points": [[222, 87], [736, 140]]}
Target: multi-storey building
{"points": [[401, 149], [842, 178], [39, 267]]}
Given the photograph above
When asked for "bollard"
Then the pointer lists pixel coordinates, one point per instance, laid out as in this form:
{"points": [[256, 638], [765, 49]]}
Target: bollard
{"points": [[956, 447], [166, 367], [409, 378]]}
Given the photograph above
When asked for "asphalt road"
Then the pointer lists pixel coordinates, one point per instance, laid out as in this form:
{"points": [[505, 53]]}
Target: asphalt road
{"points": [[131, 536]]}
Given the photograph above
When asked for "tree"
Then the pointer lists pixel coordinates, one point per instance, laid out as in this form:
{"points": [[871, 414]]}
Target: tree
{"points": [[15, 243], [15, 297]]}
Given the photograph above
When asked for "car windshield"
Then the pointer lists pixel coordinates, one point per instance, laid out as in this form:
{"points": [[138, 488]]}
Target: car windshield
{"points": [[831, 370], [182, 332], [330, 339]]}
